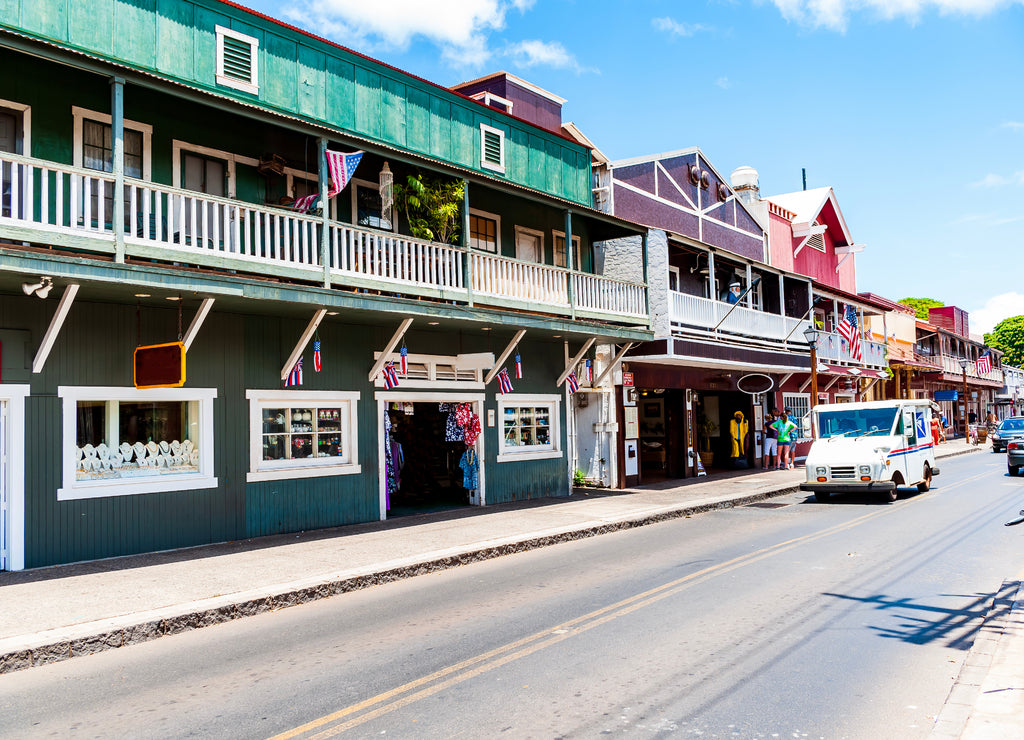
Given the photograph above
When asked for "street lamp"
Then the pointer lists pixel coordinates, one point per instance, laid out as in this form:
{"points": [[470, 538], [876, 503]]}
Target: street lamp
{"points": [[963, 367], [811, 335]]}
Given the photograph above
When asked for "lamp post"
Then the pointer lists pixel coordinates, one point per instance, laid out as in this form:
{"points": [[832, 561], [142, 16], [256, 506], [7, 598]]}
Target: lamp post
{"points": [[811, 335], [963, 368]]}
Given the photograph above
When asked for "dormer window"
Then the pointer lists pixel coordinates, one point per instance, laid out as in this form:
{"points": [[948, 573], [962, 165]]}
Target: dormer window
{"points": [[492, 148], [237, 60]]}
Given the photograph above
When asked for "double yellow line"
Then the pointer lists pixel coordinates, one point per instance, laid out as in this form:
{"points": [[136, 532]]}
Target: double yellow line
{"points": [[401, 696]]}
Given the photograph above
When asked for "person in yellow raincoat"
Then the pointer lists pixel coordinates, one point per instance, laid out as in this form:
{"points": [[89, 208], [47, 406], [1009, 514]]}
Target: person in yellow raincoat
{"points": [[739, 429]]}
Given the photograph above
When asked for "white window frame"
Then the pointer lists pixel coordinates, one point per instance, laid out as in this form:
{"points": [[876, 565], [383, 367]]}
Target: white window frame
{"points": [[575, 247], [497, 228], [787, 401], [535, 452], [674, 271], [73, 489], [356, 183], [79, 115], [522, 230], [26, 123], [261, 470], [178, 146], [487, 165], [253, 85]]}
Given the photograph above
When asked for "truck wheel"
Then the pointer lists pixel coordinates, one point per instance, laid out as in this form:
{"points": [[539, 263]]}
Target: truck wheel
{"points": [[821, 497], [894, 493], [925, 484]]}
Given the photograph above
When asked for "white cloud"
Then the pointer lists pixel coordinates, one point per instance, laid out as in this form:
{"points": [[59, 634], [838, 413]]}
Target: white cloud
{"points": [[834, 14], [1014, 125], [996, 308], [675, 28], [541, 53], [996, 181], [723, 82]]}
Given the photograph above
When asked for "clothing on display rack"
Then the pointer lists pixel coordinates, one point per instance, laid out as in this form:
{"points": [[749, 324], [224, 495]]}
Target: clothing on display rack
{"points": [[470, 470]]}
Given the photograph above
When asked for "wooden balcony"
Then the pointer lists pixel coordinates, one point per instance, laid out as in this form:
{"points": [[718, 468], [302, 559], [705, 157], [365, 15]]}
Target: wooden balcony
{"points": [[714, 317], [834, 348], [951, 366], [54, 204]]}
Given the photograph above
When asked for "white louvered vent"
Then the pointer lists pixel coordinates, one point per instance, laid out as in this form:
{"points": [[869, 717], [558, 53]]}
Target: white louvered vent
{"points": [[237, 60], [817, 241], [492, 148]]}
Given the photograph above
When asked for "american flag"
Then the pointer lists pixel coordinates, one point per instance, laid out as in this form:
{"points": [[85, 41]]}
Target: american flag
{"points": [[342, 166], [405, 360], [295, 376], [984, 363], [316, 355], [572, 383], [519, 367], [590, 371], [848, 329], [390, 376], [504, 382]]}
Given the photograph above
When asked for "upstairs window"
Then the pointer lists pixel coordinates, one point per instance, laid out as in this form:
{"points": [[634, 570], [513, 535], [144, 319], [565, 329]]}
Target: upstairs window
{"points": [[483, 231], [492, 148], [560, 256], [237, 58]]}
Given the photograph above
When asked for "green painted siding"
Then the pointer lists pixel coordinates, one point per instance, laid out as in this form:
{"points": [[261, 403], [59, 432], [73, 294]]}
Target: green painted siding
{"points": [[299, 75]]}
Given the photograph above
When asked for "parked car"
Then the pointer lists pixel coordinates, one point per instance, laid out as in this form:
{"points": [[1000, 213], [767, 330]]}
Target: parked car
{"points": [[1015, 456], [1008, 429]]}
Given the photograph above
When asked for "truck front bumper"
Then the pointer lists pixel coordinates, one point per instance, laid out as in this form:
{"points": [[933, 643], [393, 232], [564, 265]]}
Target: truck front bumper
{"points": [[849, 486]]}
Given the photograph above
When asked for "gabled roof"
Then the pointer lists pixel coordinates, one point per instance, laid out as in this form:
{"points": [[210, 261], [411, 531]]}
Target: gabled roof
{"points": [[882, 300], [807, 205], [573, 131]]}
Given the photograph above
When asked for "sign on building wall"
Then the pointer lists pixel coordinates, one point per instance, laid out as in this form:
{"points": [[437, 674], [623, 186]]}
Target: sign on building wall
{"points": [[160, 366]]}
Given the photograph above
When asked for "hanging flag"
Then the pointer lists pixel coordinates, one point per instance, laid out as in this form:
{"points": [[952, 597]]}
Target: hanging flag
{"points": [[342, 165], [295, 376], [572, 383], [317, 365], [390, 376], [590, 372], [504, 382], [850, 332], [984, 363], [519, 367], [405, 360]]}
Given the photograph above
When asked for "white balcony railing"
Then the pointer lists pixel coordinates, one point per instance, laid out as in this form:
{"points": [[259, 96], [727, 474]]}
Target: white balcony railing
{"points": [[834, 348], [951, 365], [73, 207], [705, 313]]}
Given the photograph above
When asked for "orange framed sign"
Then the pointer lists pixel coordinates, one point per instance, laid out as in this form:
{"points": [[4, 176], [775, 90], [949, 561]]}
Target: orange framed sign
{"points": [[160, 365]]}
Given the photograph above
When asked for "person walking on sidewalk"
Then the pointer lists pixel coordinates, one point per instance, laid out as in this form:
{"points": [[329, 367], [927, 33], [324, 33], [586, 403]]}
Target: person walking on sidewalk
{"points": [[785, 427], [771, 441]]}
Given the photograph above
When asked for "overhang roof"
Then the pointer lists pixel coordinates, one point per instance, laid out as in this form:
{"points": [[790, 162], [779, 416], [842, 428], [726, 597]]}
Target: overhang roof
{"points": [[809, 205]]}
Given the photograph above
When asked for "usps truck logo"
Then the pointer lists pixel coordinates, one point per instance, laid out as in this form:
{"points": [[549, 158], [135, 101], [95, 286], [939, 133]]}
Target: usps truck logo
{"points": [[920, 426]]}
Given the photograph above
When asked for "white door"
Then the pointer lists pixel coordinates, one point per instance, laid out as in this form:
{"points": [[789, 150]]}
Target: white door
{"points": [[4, 556], [529, 246]]}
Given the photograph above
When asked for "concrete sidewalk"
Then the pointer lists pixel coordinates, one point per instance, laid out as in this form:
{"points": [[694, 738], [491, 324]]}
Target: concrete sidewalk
{"points": [[51, 614]]}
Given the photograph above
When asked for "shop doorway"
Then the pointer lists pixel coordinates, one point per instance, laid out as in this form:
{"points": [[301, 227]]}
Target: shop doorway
{"points": [[662, 426], [421, 461], [4, 565], [714, 412]]}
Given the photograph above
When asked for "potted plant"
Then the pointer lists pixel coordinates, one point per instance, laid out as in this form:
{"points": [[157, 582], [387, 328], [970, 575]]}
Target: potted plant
{"points": [[705, 427]]}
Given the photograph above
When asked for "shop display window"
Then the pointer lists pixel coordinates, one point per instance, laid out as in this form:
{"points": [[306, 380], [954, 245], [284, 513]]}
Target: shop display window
{"points": [[123, 440], [302, 434], [529, 427]]}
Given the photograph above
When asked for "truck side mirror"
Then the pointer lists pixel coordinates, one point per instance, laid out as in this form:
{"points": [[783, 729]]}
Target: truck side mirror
{"points": [[805, 424]]}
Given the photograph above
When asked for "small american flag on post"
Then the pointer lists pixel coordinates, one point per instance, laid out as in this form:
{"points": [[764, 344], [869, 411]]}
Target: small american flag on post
{"points": [[295, 376], [405, 360], [390, 376], [572, 383], [503, 381], [590, 371], [317, 365], [984, 363], [849, 331], [519, 367]]}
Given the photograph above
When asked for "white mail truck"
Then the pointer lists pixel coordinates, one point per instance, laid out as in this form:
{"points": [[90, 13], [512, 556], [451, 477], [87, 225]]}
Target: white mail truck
{"points": [[870, 447]]}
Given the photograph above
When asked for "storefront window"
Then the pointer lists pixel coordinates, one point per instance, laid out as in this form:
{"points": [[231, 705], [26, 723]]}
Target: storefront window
{"points": [[122, 441], [302, 434], [529, 427]]}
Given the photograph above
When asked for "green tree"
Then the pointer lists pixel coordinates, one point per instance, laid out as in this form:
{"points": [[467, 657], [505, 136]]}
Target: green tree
{"points": [[921, 305], [1008, 337], [432, 206]]}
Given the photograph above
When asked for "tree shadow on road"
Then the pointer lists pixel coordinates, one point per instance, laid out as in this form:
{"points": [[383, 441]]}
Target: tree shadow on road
{"points": [[956, 628]]}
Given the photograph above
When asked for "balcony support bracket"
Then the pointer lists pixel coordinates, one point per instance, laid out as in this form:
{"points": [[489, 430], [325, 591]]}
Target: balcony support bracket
{"points": [[613, 364], [384, 355], [197, 322], [575, 361], [504, 356], [303, 341], [56, 323]]}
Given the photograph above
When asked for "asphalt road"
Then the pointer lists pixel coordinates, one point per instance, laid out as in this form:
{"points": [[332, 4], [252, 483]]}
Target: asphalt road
{"points": [[846, 619]]}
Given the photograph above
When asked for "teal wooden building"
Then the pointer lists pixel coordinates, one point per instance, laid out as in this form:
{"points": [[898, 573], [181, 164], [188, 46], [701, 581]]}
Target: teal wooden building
{"points": [[150, 154]]}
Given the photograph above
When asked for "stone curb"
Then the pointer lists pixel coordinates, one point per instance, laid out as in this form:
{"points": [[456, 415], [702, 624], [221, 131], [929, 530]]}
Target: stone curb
{"points": [[79, 640], [956, 711]]}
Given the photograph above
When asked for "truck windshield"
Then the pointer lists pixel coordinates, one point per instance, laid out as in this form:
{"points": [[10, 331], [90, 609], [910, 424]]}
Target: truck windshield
{"points": [[856, 423]]}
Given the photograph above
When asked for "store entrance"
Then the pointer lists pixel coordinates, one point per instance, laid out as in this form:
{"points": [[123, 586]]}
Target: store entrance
{"points": [[662, 421], [424, 451], [715, 411]]}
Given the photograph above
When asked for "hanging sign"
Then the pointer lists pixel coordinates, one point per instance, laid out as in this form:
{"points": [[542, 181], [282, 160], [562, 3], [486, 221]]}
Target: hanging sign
{"points": [[160, 366], [627, 379]]}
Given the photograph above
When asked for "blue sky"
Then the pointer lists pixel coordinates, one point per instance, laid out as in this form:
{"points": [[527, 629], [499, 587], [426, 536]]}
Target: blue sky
{"points": [[912, 110]]}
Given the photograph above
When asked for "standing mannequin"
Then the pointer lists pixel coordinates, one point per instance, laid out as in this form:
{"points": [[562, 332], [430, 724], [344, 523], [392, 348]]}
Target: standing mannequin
{"points": [[739, 429]]}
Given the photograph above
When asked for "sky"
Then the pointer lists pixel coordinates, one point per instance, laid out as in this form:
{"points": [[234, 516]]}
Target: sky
{"points": [[911, 110]]}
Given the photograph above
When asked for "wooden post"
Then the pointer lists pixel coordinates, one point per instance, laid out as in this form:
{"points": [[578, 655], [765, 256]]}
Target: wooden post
{"points": [[325, 220], [117, 139], [569, 263], [814, 375], [468, 255]]}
